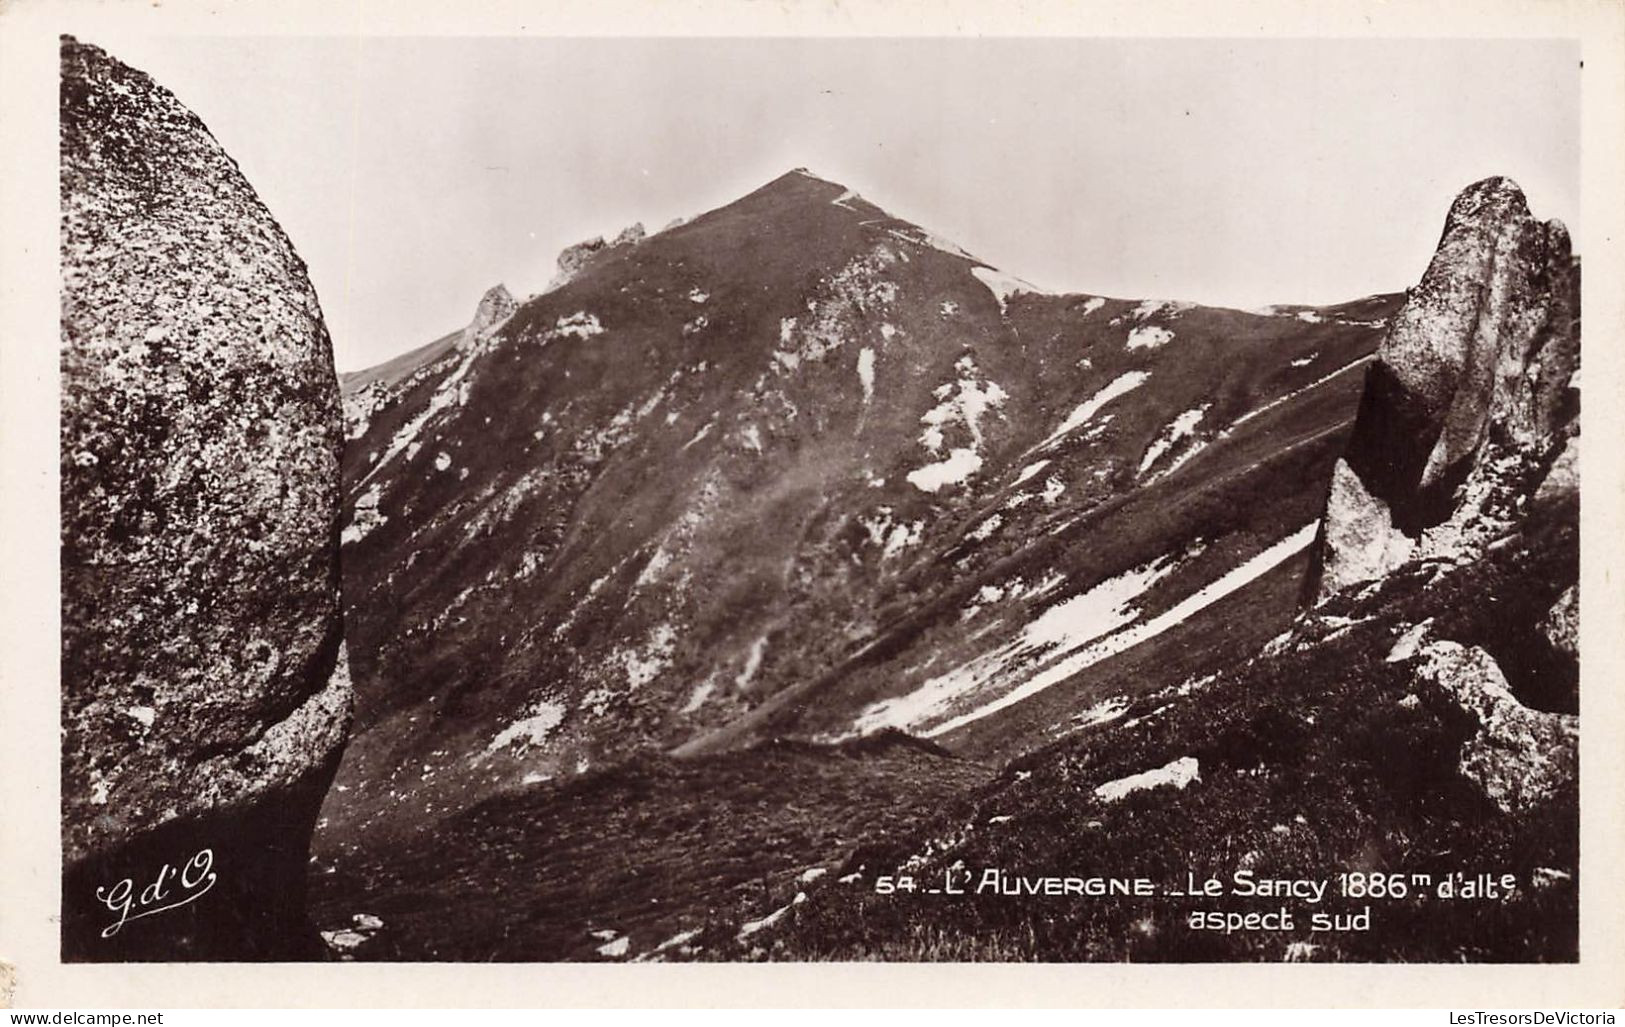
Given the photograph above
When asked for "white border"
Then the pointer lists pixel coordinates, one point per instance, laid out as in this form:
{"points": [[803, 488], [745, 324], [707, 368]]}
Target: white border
{"points": [[29, 847]]}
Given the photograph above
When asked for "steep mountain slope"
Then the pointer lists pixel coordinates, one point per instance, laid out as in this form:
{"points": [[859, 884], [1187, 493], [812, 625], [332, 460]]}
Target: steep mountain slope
{"points": [[796, 467], [1343, 748], [1415, 724]]}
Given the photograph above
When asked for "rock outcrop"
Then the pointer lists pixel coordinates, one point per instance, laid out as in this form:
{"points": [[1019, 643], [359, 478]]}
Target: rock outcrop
{"points": [[495, 306], [367, 392], [1517, 757], [1471, 403], [574, 259], [205, 692]]}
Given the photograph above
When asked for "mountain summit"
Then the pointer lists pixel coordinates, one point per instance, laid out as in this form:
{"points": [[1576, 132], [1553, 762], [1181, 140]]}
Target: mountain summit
{"points": [[798, 467]]}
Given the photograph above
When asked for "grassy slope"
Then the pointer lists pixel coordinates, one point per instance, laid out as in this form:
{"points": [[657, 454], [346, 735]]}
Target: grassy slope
{"points": [[1317, 732], [647, 849]]}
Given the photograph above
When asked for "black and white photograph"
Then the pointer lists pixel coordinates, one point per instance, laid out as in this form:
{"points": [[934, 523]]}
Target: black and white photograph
{"points": [[802, 498]]}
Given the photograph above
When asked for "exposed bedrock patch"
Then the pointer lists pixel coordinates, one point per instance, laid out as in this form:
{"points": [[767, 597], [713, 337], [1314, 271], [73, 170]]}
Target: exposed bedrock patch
{"points": [[205, 693], [1517, 757], [1471, 402]]}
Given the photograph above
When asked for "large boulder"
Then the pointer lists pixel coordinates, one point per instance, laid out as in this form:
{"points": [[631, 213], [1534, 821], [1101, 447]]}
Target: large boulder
{"points": [[205, 695], [1518, 758], [1471, 401]]}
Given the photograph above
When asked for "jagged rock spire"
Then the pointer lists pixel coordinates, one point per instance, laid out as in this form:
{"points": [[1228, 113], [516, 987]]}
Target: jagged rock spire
{"points": [[1470, 400], [496, 305]]}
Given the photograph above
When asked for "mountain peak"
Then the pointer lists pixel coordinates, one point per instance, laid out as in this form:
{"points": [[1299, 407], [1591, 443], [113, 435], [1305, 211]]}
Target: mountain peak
{"points": [[801, 182]]}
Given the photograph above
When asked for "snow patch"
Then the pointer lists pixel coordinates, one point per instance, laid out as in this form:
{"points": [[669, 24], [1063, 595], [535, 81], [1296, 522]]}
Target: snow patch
{"points": [[1181, 427], [920, 237], [1408, 643], [701, 692], [866, 373], [1103, 712], [1117, 387], [984, 530], [643, 667], [680, 938], [902, 537], [974, 677], [1148, 337], [1150, 308], [705, 430], [1061, 629], [654, 568], [1294, 394], [753, 663], [962, 403], [960, 465], [451, 391], [751, 927], [530, 730], [1178, 774], [1030, 470]]}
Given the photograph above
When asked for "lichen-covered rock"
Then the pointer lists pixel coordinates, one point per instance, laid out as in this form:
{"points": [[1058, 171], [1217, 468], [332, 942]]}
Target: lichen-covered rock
{"points": [[1518, 757], [205, 698], [1470, 401]]}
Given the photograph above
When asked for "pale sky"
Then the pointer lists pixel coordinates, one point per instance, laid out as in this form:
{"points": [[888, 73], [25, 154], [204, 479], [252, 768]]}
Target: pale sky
{"points": [[412, 174]]}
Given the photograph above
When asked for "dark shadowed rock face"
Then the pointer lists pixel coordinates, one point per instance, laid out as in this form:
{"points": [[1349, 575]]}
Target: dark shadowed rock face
{"points": [[205, 692], [1471, 402]]}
